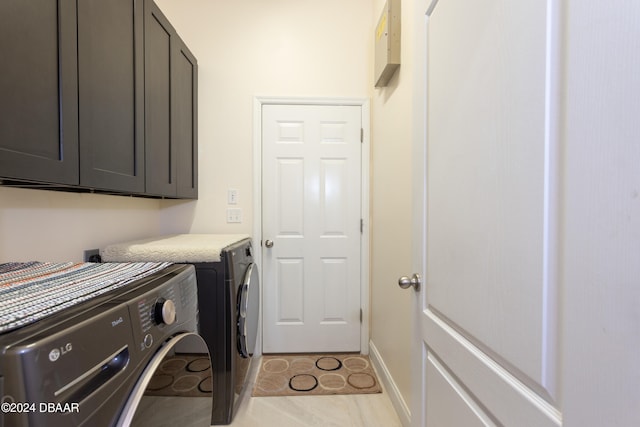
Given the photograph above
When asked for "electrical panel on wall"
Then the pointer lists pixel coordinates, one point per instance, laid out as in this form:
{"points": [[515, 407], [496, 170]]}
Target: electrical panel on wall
{"points": [[387, 43]]}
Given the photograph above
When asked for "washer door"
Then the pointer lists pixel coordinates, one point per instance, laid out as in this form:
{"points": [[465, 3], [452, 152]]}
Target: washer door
{"points": [[248, 311], [169, 386]]}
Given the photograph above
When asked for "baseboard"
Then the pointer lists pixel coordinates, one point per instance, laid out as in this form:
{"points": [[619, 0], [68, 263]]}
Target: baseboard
{"points": [[390, 386]]}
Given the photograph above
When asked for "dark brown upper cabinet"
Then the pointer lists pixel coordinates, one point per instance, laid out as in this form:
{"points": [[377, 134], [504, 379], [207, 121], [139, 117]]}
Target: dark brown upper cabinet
{"points": [[111, 94], [38, 91], [170, 109], [185, 129], [79, 112]]}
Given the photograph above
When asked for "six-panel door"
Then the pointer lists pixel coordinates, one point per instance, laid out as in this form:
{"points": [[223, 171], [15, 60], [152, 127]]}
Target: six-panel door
{"points": [[311, 213]]}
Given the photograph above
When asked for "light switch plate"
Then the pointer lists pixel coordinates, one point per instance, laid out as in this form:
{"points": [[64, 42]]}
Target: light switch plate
{"points": [[234, 215], [232, 196]]}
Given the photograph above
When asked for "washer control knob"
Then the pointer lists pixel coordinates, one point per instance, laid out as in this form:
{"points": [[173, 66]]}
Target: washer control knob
{"points": [[165, 311]]}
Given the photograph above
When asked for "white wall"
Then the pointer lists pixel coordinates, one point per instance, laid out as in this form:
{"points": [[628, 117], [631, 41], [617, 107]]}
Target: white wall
{"points": [[391, 211], [38, 225]]}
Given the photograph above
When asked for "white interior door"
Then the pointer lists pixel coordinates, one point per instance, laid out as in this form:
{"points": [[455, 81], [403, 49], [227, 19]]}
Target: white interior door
{"points": [[526, 215], [311, 229], [488, 311]]}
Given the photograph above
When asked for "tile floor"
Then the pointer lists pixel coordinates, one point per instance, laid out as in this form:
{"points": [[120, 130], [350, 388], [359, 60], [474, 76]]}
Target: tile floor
{"points": [[360, 410], [363, 410]]}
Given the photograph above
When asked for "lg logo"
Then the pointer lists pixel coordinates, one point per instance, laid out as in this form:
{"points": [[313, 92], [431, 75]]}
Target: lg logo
{"points": [[57, 352]]}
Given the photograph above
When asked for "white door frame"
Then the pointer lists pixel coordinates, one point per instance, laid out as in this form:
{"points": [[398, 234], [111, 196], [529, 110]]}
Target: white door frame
{"points": [[417, 404], [258, 102]]}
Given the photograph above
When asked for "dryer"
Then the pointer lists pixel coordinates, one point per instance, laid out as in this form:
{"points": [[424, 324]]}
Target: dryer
{"points": [[228, 293], [228, 300]]}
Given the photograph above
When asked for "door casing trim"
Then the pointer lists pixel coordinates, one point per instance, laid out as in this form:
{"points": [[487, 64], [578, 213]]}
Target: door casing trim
{"points": [[364, 103]]}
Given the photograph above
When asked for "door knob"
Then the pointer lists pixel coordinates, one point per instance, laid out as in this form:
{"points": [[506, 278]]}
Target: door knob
{"points": [[268, 243], [404, 282]]}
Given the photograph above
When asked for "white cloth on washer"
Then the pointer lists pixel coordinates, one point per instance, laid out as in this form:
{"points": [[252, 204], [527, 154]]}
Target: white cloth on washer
{"points": [[187, 248]]}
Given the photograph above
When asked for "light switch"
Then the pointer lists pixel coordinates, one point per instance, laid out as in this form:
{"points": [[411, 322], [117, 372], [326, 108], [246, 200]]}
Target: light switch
{"points": [[232, 196]]}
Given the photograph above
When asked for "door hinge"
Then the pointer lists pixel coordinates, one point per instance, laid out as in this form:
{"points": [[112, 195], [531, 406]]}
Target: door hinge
{"points": [[361, 135], [361, 225], [360, 315]]}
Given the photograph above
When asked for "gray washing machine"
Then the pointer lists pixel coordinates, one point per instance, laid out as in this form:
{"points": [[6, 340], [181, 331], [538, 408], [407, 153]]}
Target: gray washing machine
{"points": [[89, 364]]}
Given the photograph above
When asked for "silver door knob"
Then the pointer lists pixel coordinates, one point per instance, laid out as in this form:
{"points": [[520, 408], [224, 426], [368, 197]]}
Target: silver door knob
{"points": [[268, 243], [415, 281]]}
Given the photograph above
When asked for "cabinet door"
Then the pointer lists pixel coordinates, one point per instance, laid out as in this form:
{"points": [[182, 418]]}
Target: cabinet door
{"points": [[38, 91], [160, 151], [185, 119], [111, 94]]}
